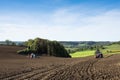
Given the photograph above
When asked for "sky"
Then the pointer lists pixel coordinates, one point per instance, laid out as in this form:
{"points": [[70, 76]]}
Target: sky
{"points": [[61, 20]]}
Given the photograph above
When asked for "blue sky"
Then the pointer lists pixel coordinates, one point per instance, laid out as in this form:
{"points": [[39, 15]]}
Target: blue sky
{"points": [[62, 20]]}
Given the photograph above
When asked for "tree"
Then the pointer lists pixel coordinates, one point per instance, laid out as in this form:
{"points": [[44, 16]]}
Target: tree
{"points": [[8, 42], [46, 47], [13, 44]]}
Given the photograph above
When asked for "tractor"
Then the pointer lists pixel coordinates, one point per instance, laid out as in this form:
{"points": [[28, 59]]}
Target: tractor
{"points": [[98, 54]]}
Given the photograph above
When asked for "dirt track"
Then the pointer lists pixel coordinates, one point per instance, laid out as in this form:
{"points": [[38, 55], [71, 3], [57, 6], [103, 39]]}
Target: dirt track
{"points": [[51, 68]]}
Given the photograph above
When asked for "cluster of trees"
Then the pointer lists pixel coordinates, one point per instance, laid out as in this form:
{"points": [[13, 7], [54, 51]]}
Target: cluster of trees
{"points": [[44, 47], [11, 43], [8, 43]]}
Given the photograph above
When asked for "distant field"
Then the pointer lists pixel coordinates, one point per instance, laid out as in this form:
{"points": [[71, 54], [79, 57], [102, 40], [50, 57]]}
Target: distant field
{"points": [[112, 49], [115, 48]]}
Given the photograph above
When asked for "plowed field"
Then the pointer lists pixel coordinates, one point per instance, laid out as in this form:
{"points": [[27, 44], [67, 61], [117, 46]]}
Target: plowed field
{"points": [[17, 67]]}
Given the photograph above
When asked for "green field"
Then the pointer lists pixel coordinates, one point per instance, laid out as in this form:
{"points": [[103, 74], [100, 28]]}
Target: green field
{"points": [[115, 48], [82, 54], [111, 49]]}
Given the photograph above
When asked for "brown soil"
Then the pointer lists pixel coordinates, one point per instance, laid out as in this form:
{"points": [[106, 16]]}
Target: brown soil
{"points": [[17, 67]]}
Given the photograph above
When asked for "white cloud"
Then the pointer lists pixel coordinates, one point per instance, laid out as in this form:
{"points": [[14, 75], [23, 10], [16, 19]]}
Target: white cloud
{"points": [[63, 24]]}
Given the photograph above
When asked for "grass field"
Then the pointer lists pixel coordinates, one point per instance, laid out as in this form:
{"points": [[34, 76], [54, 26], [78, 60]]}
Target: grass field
{"points": [[112, 49], [82, 54], [115, 48]]}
